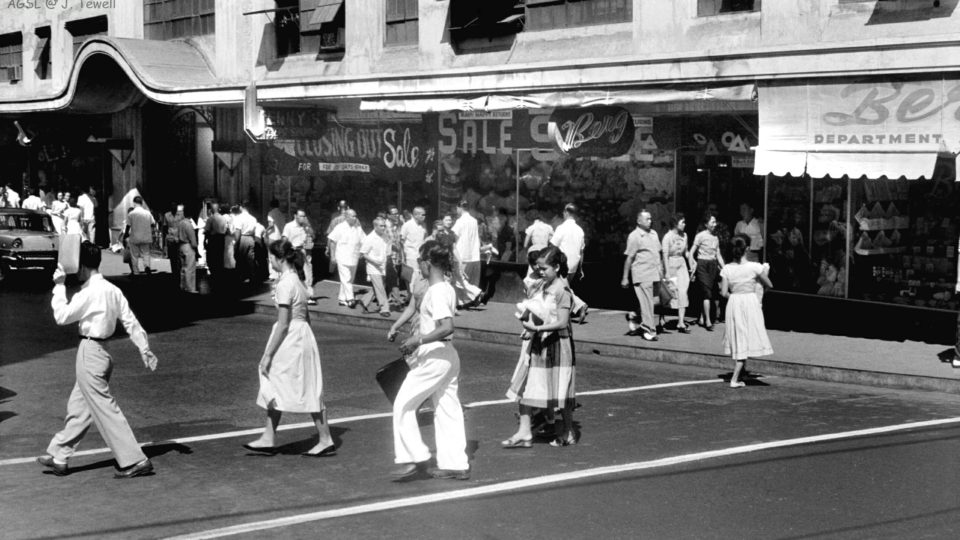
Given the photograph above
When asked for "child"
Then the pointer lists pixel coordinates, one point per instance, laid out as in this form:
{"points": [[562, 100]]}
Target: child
{"points": [[746, 333]]}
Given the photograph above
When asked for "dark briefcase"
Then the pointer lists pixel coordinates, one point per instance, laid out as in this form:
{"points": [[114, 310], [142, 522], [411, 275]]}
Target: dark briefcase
{"points": [[391, 376]]}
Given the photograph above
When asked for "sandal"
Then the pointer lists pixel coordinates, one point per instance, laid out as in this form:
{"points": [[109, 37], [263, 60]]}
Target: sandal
{"points": [[517, 443], [683, 329], [737, 384]]}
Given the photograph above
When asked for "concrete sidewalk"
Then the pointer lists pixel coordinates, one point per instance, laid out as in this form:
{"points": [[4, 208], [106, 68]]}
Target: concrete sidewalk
{"points": [[875, 362], [895, 364]]}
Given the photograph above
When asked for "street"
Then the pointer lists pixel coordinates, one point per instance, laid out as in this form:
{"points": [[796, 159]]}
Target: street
{"points": [[666, 451]]}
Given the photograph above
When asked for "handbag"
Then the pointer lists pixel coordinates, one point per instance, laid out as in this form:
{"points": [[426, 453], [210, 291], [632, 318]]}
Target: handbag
{"points": [[391, 376]]}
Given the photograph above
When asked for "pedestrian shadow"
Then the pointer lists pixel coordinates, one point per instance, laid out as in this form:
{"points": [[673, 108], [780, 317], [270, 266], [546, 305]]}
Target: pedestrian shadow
{"points": [[6, 394], [947, 355], [151, 451], [6, 415], [748, 378], [302, 445]]}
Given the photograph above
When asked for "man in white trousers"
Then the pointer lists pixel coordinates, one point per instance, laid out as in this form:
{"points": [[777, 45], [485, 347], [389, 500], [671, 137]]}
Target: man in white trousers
{"points": [[97, 306], [346, 238], [468, 243]]}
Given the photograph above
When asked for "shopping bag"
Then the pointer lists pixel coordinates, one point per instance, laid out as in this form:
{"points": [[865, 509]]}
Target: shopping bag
{"points": [[69, 254], [390, 377], [126, 255], [666, 291]]}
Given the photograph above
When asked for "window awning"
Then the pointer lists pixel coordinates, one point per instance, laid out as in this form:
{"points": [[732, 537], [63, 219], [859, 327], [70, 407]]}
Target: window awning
{"points": [[314, 13], [570, 98], [857, 128]]}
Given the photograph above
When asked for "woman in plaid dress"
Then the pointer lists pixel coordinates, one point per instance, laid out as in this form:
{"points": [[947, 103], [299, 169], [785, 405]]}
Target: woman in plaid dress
{"points": [[546, 374]]}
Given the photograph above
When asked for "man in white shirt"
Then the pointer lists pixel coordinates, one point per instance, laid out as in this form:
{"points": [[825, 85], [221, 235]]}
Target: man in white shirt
{"points": [[244, 230], [467, 248], [97, 306], [753, 229], [296, 232], [32, 202], [141, 224], [538, 234], [376, 251], [412, 234], [87, 203], [13, 198], [345, 240], [570, 239]]}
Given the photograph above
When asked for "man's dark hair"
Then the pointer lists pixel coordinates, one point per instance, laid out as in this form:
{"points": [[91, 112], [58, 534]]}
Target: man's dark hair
{"points": [[89, 255], [138, 199]]}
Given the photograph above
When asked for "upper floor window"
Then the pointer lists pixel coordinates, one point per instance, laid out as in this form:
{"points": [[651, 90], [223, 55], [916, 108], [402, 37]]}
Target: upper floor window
{"points": [[11, 57], [41, 53], [403, 25], [81, 29], [323, 25], [286, 26], [170, 19], [552, 14], [487, 19], [706, 8]]}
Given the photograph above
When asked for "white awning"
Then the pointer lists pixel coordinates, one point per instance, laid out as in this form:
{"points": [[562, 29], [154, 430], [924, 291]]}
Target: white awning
{"points": [[892, 165], [573, 98], [779, 163]]}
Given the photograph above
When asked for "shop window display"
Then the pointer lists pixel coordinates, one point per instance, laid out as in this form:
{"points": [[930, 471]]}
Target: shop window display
{"points": [[828, 247], [788, 234]]}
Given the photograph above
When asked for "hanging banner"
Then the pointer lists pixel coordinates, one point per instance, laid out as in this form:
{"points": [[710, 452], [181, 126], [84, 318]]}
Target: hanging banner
{"points": [[592, 131], [385, 149]]}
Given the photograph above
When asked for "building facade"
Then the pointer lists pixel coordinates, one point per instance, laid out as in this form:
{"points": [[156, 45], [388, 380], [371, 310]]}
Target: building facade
{"points": [[836, 120]]}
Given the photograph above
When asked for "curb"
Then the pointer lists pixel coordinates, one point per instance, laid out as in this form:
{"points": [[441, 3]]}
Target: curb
{"points": [[600, 351]]}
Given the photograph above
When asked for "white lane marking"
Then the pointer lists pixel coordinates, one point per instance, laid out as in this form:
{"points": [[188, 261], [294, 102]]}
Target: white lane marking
{"points": [[302, 425], [550, 479]]}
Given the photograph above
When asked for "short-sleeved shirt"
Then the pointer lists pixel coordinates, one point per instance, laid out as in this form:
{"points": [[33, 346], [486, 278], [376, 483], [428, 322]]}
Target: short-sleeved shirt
{"points": [[742, 277], [706, 245], [347, 239], [375, 250], [643, 248], [753, 230], [675, 245], [569, 238], [539, 234], [141, 222], [412, 235], [440, 302], [296, 234], [245, 223], [87, 205], [468, 238]]}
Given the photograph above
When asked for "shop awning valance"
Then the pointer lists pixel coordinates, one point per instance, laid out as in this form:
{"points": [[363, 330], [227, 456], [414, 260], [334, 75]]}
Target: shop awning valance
{"points": [[857, 128], [570, 98]]}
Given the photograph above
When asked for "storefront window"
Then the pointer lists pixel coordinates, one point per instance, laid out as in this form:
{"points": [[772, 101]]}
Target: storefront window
{"points": [[788, 234]]}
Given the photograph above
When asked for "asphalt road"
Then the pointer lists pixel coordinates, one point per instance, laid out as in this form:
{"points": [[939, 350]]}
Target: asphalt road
{"points": [[688, 459]]}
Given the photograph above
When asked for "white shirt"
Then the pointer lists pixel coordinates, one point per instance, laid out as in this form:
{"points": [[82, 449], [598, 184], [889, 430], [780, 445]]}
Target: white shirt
{"points": [[348, 240], [33, 203], [141, 222], [296, 234], [412, 235], [245, 223], [569, 238], [375, 250], [439, 302], [97, 306], [539, 234], [13, 198], [754, 230], [71, 219], [467, 247], [87, 206]]}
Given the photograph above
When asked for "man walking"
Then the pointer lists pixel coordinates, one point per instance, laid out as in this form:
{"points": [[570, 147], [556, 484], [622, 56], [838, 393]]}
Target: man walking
{"points": [[344, 242], [171, 237], [412, 234], [87, 203], [645, 266], [297, 232], [187, 233], [214, 238], [467, 248], [97, 306], [141, 224], [244, 230], [569, 238]]}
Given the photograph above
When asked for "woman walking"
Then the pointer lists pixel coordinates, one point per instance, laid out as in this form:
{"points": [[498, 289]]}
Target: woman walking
{"points": [[434, 373], [746, 332], [709, 260], [545, 376], [676, 258], [290, 375]]}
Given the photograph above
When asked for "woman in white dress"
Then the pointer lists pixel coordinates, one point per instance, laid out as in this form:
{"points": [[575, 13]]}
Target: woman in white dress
{"points": [[56, 212], [746, 332], [434, 373], [290, 375], [71, 216]]}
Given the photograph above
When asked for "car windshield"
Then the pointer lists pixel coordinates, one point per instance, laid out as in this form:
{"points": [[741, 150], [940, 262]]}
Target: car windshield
{"points": [[30, 222]]}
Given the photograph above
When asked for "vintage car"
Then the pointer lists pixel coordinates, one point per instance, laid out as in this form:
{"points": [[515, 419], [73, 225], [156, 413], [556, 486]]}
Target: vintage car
{"points": [[27, 241]]}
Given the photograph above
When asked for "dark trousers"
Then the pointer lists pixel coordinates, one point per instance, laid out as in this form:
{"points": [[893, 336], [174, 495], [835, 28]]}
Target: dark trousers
{"points": [[173, 253], [245, 257]]}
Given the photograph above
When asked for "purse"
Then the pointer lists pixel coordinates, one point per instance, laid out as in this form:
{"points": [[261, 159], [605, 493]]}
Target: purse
{"points": [[391, 376]]}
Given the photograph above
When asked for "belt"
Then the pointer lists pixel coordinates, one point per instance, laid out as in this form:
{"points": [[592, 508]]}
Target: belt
{"points": [[91, 338]]}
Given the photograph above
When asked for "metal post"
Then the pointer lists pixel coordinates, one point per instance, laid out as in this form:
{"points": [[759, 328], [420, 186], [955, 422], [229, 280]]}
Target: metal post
{"points": [[847, 240], [516, 230], [766, 214], [810, 219]]}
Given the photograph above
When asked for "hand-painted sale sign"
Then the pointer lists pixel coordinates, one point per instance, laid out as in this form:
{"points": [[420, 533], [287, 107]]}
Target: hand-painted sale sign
{"points": [[592, 131], [382, 149]]}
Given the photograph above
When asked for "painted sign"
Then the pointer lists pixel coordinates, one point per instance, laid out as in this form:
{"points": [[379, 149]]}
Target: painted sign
{"points": [[455, 133], [382, 149], [862, 115], [592, 131]]}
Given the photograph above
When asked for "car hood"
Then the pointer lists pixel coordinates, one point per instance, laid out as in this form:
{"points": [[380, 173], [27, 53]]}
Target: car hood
{"points": [[32, 240]]}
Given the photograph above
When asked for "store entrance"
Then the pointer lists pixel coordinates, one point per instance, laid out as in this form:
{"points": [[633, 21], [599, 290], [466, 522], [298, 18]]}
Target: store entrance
{"points": [[713, 183]]}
